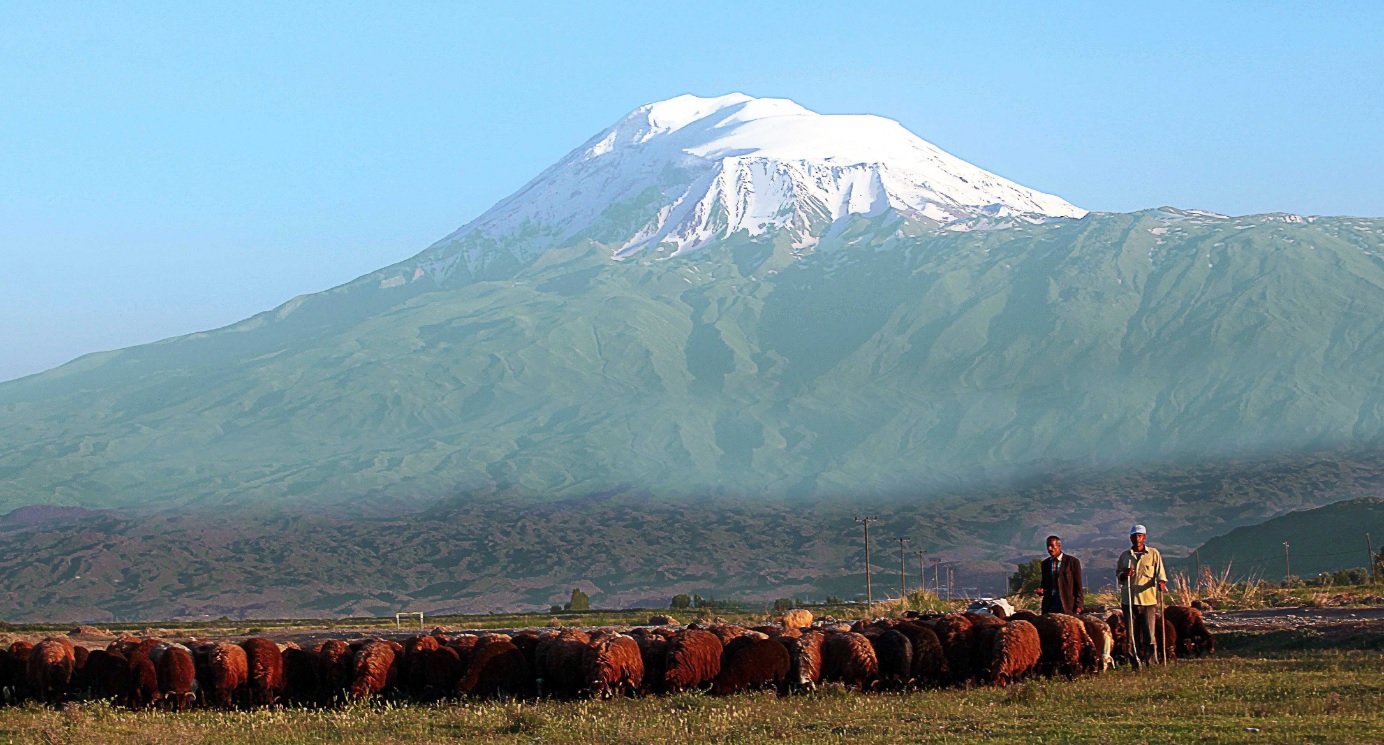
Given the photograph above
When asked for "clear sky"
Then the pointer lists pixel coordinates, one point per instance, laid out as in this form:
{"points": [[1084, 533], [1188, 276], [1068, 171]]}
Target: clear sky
{"points": [[172, 167]]}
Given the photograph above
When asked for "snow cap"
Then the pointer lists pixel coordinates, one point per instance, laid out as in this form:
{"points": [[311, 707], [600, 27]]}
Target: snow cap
{"points": [[1138, 529]]}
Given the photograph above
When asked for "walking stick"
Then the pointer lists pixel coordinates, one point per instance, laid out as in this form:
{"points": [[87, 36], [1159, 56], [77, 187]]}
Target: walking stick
{"points": [[1162, 635], [1129, 620]]}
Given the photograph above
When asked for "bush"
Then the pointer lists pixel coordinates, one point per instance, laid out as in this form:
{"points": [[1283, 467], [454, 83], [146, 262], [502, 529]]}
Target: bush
{"points": [[580, 600], [1027, 579]]}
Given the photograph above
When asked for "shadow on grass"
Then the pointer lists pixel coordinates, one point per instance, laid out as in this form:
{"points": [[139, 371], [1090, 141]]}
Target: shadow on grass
{"points": [[1288, 641]]}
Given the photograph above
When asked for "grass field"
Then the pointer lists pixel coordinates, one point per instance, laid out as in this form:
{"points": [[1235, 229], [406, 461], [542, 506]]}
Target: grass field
{"points": [[1283, 688]]}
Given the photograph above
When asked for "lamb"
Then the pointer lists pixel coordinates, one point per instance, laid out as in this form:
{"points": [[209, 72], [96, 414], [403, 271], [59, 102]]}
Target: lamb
{"points": [[558, 660], [750, 663], [373, 669], [265, 671], [1194, 638], [894, 653], [797, 619], [805, 659], [1103, 642], [850, 658], [613, 666], [1014, 654], [225, 673], [497, 668], [50, 669], [693, 660]]}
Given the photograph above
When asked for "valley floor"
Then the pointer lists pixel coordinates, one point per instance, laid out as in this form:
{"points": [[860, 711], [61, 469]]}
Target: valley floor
{"points": [[1269, 686]]}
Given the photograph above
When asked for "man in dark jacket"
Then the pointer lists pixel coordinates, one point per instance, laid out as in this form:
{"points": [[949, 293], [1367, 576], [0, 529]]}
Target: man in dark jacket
{"points": [[1061, 588]]}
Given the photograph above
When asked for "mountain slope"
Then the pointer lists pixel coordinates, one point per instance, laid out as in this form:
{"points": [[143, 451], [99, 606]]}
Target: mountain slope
{"points": [[1322, 539], [889, 360]]}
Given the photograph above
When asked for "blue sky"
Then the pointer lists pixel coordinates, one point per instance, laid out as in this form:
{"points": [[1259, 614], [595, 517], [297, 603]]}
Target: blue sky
{"points": [[171, 167]]}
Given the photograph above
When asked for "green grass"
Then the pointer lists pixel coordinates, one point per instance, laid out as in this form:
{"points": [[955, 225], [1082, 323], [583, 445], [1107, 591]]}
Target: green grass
{"points": [[1319, 696]]}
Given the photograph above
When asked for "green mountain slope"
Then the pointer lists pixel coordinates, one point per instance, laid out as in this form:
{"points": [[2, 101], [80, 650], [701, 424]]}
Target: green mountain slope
{"points": [[1324, 539], [889, 361], [624, 549]]}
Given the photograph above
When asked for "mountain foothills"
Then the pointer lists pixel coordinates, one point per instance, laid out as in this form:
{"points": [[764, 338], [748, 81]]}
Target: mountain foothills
{"points": [[736, 301]]}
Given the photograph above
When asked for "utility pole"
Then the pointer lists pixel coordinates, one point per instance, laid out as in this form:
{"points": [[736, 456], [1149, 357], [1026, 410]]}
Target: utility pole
{"points": [[869, 589], [903, 569], [951, 582], [922, 570], [1287, 566], [1196, 552], [1369, 551]]}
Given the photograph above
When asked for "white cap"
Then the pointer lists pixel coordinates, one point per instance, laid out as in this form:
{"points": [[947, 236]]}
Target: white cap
{"points": [[1138, 529]]}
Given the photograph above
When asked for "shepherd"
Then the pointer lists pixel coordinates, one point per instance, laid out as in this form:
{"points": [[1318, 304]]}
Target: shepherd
{"points": [[1142, 584], [1061, 588]]}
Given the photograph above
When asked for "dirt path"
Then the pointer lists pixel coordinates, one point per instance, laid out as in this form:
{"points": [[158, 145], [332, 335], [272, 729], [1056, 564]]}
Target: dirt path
{"points": [[1296, 618]]}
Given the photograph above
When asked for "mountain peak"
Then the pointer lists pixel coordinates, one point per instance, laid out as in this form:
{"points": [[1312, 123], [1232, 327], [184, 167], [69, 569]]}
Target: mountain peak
{"points": [[736, 163]]}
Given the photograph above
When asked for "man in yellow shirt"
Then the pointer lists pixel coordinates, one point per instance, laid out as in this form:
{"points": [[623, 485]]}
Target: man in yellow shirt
{"points": [[1141, 577]]}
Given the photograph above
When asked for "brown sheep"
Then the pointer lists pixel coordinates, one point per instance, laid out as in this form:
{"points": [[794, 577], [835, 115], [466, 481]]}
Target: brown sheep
{"points": [[749, 663], [527, 642], [415, 650], [1014, 654], [614, 666], [727, 631], [265, 671], [1119, 633], [693, 660], [894, 653], [80, 682], [142, 687], [984, 629], [797, 619], [1194, 638], [373, 669], [177, 676], [954, 634], [225, 670], [19, 670], [442, 669], [1067, 648], [805, 659], [335, 666], [301, 675], [929, 663], [107, 674], [50, 670], [1102, 640], [497, 668], [849, 657], [558, 663], [653, 651]]}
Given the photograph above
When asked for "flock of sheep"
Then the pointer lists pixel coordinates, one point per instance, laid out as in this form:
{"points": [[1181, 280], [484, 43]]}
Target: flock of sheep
{"points": [[917, 651]]}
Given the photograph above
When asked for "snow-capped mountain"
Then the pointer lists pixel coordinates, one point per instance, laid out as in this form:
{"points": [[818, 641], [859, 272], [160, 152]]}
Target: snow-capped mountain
{"points": [[734, 163]]}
